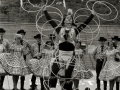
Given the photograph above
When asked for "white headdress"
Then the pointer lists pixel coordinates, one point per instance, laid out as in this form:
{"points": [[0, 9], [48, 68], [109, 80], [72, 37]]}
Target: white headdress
{"points": [[69, 12]]}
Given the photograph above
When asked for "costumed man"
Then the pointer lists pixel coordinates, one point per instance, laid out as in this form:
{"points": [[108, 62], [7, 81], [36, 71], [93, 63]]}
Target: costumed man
{"points": [[26, 46], [63, 65], [6, 45], [115, 40], [99, 57], [36, 51]]}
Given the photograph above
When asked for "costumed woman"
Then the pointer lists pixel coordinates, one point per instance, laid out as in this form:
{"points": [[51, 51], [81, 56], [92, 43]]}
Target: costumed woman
{"points": [[111, 69], [67, 34], [27, 49], [4, 48], [80, 69], [40, 64], [13, 62]]}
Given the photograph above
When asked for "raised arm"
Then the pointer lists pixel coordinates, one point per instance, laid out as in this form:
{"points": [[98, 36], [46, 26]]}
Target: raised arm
{"points": [[52, 22], [82, 26]]}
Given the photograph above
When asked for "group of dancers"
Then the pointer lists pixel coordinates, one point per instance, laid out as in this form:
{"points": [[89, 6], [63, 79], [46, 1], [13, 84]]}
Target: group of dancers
{"points": [[52, 61], [49, 61], [108, 62]]}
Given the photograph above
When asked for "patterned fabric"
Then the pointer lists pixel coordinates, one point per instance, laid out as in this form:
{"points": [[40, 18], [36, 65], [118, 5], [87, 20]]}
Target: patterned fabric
{"points": [[41, 67], [70, 38], [13, 62], [25, 45], [6, 44], [2, 71], [111, 70], [98, 53], [35, 49], [80, 70]]}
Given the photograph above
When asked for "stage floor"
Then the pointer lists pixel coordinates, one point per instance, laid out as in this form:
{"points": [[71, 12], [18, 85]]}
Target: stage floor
{"points": [[91, 83]]}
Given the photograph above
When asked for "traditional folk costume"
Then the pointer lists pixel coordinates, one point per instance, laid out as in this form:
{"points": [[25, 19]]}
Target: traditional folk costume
{"points": [[111, 70], [13, 62], [80, 69], [40, 64], [99, 57], [118, 48], [26, 46], [64, 64], [4, 48]]}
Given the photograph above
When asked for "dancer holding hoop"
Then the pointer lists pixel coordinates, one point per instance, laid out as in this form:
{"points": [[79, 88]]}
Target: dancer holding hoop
{"points": [[67, 34]]}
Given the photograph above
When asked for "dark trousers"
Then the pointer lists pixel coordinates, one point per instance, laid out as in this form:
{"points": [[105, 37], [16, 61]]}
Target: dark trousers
{"points": [[1, 81], [98, 69], [33, 80], [117, 85], [22, 79], [68, 72]]}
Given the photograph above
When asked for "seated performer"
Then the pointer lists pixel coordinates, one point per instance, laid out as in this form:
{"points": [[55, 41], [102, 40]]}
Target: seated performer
{"points": [[64, 64]]}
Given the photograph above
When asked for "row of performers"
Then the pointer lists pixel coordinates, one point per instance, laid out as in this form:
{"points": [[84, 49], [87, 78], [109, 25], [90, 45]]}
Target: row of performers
{"points": [[63, 65], [45, 63], [107, 62]]}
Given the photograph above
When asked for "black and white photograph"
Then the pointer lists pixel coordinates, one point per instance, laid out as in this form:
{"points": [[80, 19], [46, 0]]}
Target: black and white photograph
{"points": [[59, 44]]}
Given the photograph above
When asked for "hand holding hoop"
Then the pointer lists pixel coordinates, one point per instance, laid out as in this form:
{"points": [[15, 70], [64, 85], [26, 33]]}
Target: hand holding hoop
{"points": [[93, 12]]}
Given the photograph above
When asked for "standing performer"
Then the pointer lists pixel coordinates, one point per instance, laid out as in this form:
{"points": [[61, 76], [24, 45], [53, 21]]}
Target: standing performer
{"points": [[38, 63], [4, 47], [13, 62], [26, 46], [111, 69], [116, 39], [67, 35], [80, 70], [99, 57]]}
